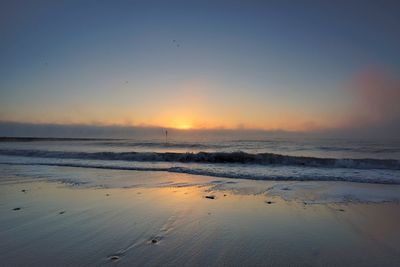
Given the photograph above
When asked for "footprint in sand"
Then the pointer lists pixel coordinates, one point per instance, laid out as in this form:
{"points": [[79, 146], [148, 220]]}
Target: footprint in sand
{"points": [[155, 240], [114, 257], [167, 228]]}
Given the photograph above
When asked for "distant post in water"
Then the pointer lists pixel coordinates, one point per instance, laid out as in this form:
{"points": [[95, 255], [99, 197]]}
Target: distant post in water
{"points": [[166, 136]]}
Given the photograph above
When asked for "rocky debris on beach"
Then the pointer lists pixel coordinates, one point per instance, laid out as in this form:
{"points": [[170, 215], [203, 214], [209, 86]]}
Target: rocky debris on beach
{"points": [[62, 212], [18, 208], [210, 197], [269, 202], [114, 257], [155, 239]]}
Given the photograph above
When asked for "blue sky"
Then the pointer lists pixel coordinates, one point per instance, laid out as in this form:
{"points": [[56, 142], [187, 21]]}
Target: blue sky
{"points": [[194, 64]]}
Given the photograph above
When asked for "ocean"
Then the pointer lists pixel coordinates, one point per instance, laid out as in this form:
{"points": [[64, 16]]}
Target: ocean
{"points": [[286, 159]]}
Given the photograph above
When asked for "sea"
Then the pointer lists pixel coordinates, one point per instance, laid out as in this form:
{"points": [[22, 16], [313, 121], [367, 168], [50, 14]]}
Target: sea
{"points": [[272, 158]]}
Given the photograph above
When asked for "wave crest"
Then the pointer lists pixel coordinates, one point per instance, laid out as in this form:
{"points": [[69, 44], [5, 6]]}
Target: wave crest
{"points": [[238, 157]]}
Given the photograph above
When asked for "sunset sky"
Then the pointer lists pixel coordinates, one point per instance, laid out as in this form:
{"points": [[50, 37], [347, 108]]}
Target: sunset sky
{"points": [[287, 65]]}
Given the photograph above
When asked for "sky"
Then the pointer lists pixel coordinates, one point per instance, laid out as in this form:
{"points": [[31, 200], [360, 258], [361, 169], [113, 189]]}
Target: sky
{"points": [[302, 66]]}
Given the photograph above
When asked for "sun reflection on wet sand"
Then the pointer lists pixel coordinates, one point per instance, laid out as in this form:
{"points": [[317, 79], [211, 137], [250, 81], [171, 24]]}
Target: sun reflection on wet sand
{"points": [[175, 224]]}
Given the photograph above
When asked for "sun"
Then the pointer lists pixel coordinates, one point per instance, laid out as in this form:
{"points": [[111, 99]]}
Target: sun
{"points": [[184, 126], [180, 121]]}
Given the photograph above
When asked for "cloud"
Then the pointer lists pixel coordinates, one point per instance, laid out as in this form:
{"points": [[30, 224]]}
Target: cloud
{"points": [[375, 106], [378, 95]]}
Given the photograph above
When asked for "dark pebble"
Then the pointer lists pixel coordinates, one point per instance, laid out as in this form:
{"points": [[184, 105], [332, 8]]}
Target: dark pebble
{"points": [[269, 202], [16, 208], [210, 197], [154, 241], [114, 258], [62, 212]]}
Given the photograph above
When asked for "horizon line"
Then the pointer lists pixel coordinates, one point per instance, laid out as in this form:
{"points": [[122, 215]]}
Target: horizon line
{"points": [[144, 126]]}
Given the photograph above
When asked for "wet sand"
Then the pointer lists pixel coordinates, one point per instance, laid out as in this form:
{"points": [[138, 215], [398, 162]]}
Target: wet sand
{"points": [[185, 220]]}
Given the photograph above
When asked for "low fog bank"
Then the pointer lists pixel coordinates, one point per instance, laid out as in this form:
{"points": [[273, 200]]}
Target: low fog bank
{"points": [[14, 129]]}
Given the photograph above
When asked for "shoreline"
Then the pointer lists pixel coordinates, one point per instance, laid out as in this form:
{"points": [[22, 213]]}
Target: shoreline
{"points": [[179, 219]]}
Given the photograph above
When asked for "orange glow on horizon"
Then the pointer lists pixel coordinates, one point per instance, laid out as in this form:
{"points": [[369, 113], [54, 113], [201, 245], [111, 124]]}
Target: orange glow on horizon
{"points": [[178, 123], [184, 126], [285, 123]]}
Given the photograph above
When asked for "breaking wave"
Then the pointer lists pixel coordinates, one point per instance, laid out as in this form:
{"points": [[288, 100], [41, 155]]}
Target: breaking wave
{"points": [[214, 157]]}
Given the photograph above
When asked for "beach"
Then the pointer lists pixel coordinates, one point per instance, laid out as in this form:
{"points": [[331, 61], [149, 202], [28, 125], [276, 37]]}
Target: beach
{"points": [[137, 218], [199, 133]]}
